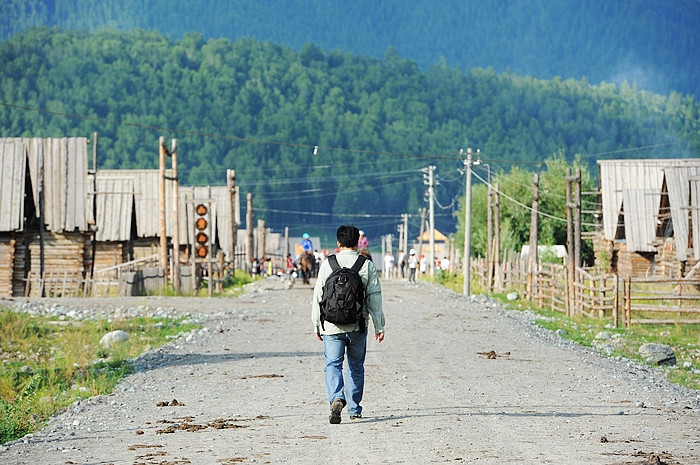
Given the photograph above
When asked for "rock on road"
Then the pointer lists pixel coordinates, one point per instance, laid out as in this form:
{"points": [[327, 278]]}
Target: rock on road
{"points": [[457, 380]]}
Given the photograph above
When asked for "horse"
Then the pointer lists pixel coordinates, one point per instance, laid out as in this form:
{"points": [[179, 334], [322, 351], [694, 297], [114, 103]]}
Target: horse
{"points": [[306, 266]]}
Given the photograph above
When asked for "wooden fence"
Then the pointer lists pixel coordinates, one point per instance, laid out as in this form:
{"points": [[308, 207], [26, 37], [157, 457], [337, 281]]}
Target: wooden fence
{"points": [[54, 283], [597, 294], [655, 297], [107, 281]]}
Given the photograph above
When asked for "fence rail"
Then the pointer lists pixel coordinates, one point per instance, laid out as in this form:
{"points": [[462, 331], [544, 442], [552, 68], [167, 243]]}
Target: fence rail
{"points": [[597, 294]]}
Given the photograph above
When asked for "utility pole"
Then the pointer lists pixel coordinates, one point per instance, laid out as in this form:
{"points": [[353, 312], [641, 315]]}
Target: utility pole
{"points": [[467, 222], [534, 226], [431, 212], [161, 189], [577, 221], [405, 233], [262, 238], [496, 204], [570, 266], [233, 199], [489, 239], [422, 230], [250, 217], [176, 217]]}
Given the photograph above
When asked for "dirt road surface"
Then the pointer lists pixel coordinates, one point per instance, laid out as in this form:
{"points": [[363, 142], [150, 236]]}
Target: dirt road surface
{"points": [[457, 380]]}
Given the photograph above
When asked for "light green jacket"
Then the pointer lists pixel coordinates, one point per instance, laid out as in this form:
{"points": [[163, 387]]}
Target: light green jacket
{"points": [[373, 295]]}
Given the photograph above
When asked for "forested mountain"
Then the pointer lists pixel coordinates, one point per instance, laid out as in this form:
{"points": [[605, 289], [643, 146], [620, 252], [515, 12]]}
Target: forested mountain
{"points": [[653, 45], [319, 136]]}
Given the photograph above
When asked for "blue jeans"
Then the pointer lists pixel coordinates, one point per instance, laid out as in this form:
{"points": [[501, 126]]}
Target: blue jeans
{"points": [[335, 347]]}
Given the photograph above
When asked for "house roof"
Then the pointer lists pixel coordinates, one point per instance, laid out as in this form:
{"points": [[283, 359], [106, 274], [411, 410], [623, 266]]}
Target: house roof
{"points": [[631, 194], [682, 184], [121, 192], [57, 164], [437, 235]]}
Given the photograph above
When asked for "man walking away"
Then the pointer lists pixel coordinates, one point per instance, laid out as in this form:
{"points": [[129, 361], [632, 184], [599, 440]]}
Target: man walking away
{"points": [[340, 340]]}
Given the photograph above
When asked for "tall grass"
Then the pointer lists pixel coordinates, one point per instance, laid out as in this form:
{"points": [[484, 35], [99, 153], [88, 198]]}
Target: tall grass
{"points": [[47, 364]]}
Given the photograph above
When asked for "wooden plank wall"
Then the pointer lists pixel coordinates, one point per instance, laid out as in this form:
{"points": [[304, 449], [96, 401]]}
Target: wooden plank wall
{"points": [[19, 270], [109, 254], [63, 256], [13, 161], [146, 247], [7, 255], [65, 181]]}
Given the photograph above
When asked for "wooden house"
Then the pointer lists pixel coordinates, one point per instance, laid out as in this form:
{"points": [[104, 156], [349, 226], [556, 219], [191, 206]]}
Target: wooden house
{"points": [[647, 208], [441, 244], [44, 215], [128, 216]]}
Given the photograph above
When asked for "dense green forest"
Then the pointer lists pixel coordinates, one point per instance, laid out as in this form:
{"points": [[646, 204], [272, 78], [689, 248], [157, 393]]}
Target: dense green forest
{"points": [[321, 136], [650, 44]]}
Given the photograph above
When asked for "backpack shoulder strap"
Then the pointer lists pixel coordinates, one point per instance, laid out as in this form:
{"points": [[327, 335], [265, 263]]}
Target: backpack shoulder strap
{"points": [[357, 266], [333, 262]]}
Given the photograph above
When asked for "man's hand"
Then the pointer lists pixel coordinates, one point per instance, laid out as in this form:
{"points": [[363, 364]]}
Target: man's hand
{"points": [[379, 337], [318, 336]]}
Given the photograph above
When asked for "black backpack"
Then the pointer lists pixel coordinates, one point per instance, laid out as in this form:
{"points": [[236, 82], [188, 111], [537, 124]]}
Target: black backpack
{"points": [[343, 294]]}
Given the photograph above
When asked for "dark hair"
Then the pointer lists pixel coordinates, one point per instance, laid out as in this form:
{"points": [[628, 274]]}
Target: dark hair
{"points": [[348, 236]]}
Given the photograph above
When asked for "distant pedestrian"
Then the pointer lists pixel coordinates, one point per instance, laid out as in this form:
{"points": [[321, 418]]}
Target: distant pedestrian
{"points": [[388, 265], [306, 243], [412, 265], [445, 264], [402, 262], [349, 340], [363, 243], [423, 264]]}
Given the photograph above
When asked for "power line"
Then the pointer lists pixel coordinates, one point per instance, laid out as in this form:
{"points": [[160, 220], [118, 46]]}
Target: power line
{"points": [[315, 148], [527, 207]]}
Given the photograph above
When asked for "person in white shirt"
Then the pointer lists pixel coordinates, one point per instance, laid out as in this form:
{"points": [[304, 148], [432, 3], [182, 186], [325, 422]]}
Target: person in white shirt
{"points": [[388, 265], [412, 265], [445, 264]]}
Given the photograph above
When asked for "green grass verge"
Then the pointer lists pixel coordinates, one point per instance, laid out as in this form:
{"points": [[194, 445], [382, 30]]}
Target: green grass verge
{"points": [[47, 363]]}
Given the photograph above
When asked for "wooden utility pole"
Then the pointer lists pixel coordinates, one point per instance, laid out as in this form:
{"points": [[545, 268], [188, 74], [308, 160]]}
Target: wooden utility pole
{"points": [[570, 266], [431, 213], [286, 246], [261, 239], [577, 222], [94, 203], [466, 266], [42, 226], [489, 240], [405, 234], [161, 190], [210, 243], [231, 185], [250, 217], [498, 278], [176, 217], [422, 230], [532, 256]]}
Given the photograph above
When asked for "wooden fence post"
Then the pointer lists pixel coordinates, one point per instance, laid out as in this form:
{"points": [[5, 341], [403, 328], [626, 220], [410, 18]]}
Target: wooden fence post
{"points": [[616, 300], [628, 301]]}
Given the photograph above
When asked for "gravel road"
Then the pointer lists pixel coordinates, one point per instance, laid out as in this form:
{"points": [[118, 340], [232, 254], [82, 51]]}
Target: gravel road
{"points": [[457, 380]]}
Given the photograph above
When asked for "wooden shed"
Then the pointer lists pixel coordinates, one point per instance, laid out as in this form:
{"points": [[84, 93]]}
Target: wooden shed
{"points": [[43, 215], [128, 215], [647, 212]]}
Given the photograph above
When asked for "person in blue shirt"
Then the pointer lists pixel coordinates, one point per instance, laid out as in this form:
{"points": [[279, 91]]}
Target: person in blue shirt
{"points": [[306, 243]]}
